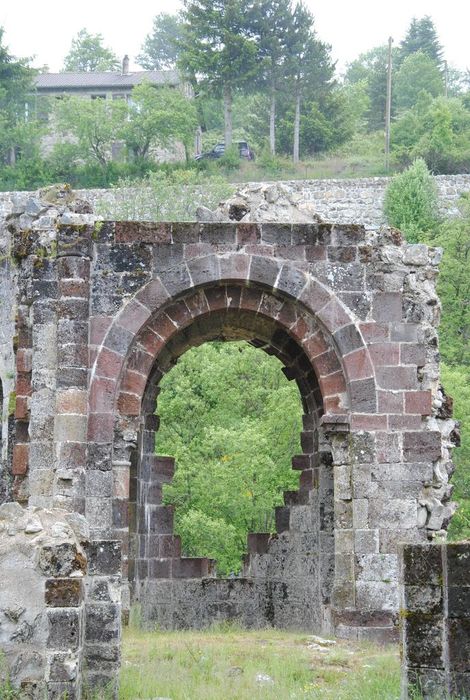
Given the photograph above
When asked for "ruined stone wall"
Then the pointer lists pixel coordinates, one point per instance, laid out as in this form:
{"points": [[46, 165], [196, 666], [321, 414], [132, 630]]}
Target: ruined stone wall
{"points": [[435, 620], [357, 201], [102, 311], [60, 612]]}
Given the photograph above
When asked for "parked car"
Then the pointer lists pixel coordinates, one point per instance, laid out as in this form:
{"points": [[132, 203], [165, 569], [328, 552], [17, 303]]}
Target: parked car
{"points": [[219, 150]]}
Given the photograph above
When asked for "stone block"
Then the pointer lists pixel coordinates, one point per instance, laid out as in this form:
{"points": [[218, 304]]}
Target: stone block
{"points": [[102, 623], [458, 635], [429, 682], [421, 565], [348, 339], [204, 270], [291, 281], [64, 629], [419, 402], [99, 513], [63, 667], [404, 332], [458, 563], [278, 234], [104, 557], [459, 601], [383, 511], [363, 396], [366, 541], [61, 560], [388, 447], [264, 270], [424, 640], [423, 599], [419, 446], [387, 307], [460, 685], [64, 593], [377, 595]]}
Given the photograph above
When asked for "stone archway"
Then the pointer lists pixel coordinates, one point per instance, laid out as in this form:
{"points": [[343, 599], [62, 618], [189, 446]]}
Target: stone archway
{"points": [[275, 323], [359, 305]]}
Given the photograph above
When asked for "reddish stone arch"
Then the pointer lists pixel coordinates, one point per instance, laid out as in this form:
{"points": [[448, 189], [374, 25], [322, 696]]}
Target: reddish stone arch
{"points": [[327, 357], [289, 283]]}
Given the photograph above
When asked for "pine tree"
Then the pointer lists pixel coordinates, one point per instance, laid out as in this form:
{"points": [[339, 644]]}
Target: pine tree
{"points": [[421, 36], [219, 44], [309, 65], [272, 24]]}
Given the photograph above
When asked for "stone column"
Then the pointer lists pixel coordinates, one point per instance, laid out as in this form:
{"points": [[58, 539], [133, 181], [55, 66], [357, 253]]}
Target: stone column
{"points": [[71, 481]]}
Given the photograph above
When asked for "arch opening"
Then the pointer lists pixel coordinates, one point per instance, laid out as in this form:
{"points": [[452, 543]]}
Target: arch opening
{"points": [[232, 421], [294, 565]]}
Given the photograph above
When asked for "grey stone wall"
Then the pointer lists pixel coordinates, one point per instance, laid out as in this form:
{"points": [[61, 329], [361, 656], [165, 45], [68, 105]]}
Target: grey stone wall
{"points": [[8, 293], [102, 311], [356, 201], [60, 612], [435, 620]]}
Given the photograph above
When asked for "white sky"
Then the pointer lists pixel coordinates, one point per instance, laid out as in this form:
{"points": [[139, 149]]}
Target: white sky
{"points": [[45, 28]]}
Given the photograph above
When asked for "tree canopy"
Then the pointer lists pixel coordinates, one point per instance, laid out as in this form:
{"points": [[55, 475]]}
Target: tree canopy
{"points": [[233, 422], [156, 117], [417, 72], [421, 36], [161, 48], [87, 53]]}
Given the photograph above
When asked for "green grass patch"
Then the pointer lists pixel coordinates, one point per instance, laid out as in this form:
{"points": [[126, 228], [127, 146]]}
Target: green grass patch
{"points": [[235, 664]]}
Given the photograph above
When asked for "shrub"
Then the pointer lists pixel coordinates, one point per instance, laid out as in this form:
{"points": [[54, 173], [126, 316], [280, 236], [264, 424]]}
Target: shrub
{"points": [[230, 161], [411, 202], [274, 165], [172, 195]]}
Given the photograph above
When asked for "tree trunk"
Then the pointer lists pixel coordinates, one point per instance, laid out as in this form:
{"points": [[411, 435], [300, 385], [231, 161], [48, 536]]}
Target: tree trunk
{"points": [[297, 127], [272, 121], [228, 116]]}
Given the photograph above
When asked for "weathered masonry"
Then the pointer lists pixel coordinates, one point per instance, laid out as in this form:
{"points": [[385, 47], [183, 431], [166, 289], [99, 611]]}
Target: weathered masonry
{"points": [[95, 313], [435, 627]]}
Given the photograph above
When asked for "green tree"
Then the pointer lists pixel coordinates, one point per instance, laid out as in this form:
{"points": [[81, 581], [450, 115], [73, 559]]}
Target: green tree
{"points": [[158, 117], [309, 66], [273, 22], [437, 130], [160, 49], [456, 380], [421, 36], [410, 202], [88, 54], [232, 421], [220, 47], [370, 69], [93, 125], [417, 72], [16, 79]]}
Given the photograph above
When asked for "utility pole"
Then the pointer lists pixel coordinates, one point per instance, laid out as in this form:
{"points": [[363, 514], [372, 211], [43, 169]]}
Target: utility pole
{"points": [[446, 79], [388, 109]]}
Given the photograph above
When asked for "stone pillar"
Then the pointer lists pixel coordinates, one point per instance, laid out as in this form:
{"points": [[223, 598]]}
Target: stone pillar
{"points": [[102, 640], [71, 480], [435, 620]]}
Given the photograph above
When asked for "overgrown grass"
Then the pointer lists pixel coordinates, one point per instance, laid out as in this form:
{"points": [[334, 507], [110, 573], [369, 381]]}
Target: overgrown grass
{"points": [[233, 664]]}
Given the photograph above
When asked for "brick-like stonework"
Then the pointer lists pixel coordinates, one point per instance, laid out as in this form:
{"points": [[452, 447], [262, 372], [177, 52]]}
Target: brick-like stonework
{"points": [[435, 620], [103, 310]]}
